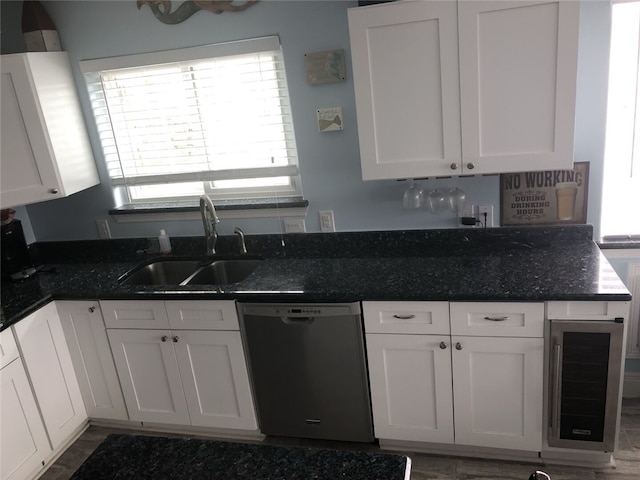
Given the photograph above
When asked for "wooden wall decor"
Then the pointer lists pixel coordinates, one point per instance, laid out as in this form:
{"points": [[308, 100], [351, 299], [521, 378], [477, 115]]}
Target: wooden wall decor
{"points": [[162, 8]]}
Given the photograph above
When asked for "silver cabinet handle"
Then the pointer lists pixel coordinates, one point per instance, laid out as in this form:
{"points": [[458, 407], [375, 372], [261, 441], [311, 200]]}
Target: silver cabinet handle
{"points": [[404, 317], [458, 346], [164, 338], [496, 319], [443, 345], [470, 166], [92, 309], [175, 339], [54, 191], [454, 166]]}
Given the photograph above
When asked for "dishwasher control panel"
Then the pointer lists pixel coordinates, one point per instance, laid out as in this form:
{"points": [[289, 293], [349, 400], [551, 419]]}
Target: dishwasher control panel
{"points": [[300, 310]]}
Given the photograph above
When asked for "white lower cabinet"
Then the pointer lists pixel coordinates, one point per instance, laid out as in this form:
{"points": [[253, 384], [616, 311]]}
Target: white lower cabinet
{"points": [[411, 395], [48, 364], [24, 446], [86, 337], [497, 391], [215, 379], [182, 376], [466, 390], [148, 370]]}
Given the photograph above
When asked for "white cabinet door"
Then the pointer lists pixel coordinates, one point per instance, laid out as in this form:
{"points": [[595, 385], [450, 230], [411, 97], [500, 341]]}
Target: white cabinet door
{"points": [[149, 375], [405, 69], [498, 392], [214, 376], [518, 64], [48, 364], [86, 336], [49, 155], [23, 441], [410, 378]]}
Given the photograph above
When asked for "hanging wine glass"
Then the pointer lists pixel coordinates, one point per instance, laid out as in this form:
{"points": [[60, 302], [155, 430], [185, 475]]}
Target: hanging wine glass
{"points": [[455, 199], [436, 202], [413, 196]]}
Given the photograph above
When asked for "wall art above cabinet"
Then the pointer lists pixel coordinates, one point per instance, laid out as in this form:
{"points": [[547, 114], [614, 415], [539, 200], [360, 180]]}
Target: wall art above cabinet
{"points": [[463, 88], [45, 148]]}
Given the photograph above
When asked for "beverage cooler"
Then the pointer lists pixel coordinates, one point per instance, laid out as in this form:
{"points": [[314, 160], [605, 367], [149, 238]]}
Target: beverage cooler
{"points": [[584, 389]]}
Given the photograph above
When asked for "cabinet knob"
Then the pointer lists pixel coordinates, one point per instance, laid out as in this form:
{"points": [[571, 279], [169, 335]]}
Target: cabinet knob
{"points": [[54, 191], [92, 309], [458, 346], [175, 339], [470, 166], [443, 345], [164, 338], [454, 166]]}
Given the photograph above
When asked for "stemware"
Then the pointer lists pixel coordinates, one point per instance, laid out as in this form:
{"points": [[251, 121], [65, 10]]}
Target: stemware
{"points": [[436, 202], [413, 196], [455, 199]]}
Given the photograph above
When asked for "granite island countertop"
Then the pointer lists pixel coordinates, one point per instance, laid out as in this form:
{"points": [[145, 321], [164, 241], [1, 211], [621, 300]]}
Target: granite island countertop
{"points": [[437, 265], [143, 457]]}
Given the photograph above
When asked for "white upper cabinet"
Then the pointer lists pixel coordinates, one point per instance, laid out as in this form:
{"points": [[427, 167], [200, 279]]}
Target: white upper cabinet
{"points": [[451, 88], [45, 149], [405, 72], [518, 63]]}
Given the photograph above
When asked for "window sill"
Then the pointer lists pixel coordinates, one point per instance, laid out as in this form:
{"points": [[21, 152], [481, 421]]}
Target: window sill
{"points": [[190, 210], [619, 242]]}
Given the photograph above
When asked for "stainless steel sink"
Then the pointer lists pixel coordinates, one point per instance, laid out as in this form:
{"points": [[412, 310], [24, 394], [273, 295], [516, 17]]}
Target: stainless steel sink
{"points": [[163, 272], [224, 271], [205, 271]]}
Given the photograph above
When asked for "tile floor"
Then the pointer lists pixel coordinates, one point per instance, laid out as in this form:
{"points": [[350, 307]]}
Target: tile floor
{"points": [[427, 467]]}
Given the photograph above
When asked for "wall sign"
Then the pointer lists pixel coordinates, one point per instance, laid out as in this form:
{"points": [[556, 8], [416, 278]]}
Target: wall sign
{"points": [[545, 197], [324, 67], [329, 119]]}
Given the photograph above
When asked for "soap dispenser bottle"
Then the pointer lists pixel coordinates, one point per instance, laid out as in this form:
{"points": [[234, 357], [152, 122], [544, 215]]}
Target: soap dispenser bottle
{"points": [[165, 242]]}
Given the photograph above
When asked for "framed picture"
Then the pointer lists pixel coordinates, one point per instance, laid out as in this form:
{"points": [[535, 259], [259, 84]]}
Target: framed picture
{"points": [[546, 197]]}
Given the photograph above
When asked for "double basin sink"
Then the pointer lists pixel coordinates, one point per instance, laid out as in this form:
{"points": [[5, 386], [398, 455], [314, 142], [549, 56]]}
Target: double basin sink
{"points": [[192, 271]]}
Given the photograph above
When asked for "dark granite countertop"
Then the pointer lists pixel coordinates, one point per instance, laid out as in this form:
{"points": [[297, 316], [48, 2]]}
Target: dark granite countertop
{"points": [[138, 457], [506, 265]]}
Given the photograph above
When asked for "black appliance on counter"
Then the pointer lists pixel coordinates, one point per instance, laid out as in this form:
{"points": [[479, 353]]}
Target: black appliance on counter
{"points": [[16, 262]]}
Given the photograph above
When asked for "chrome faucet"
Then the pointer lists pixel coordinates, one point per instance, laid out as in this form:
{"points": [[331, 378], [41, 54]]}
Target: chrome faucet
{"points": [[243, 246], [209, 221]]}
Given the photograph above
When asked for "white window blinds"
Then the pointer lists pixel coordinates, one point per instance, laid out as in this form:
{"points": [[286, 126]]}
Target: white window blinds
{"points": [[212, 119]]}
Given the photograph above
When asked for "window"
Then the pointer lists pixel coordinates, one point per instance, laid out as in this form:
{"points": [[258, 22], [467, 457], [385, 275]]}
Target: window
{"points": [[213, 119], [621, 186]]}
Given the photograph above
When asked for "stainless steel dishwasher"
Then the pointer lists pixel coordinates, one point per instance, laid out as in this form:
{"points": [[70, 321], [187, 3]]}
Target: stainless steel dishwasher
{"points": [[308, 370]]}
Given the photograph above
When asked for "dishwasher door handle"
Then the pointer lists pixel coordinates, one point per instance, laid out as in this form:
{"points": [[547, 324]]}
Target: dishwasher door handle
{"points": [[297, 320]]}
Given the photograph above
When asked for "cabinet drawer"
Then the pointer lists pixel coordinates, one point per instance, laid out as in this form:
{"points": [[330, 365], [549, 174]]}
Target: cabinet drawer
{"points": [[587, 310], [406, 317], [203, 315], [134, 314], [497, 319], [8, 348]]}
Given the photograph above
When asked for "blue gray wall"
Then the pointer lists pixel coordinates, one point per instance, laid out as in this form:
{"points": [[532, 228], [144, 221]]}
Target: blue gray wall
{"points": [[329, 162]]}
